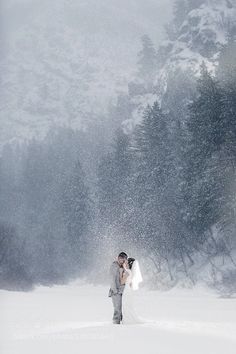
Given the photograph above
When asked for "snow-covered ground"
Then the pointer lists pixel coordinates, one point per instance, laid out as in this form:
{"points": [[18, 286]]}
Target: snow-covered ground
{"points": [[76, 318]]}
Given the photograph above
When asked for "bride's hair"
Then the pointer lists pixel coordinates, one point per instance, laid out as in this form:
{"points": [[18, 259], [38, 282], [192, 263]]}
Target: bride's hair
{"points": [[130, 262]]}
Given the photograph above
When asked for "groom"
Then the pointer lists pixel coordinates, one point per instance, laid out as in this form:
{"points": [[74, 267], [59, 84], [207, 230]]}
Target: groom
{"points": [[116, 289]]}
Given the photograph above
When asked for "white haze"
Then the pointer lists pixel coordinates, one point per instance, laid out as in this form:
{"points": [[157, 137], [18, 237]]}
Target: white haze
{"points": [[48, 44]]}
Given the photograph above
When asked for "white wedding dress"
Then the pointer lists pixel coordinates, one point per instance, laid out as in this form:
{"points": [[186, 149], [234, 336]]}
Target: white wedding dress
{"points": [[129, 315]]}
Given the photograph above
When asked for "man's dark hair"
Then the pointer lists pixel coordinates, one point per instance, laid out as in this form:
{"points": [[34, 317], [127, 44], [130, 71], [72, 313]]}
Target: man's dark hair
{"points": [[123, 255]]}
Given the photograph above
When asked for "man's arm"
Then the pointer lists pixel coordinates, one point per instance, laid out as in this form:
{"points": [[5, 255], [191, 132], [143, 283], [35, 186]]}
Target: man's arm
{"points": [[123, 276], [113, 276]]}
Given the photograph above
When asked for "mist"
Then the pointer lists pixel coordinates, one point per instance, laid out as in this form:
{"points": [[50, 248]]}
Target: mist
{"points": [[58, 52], [117, 134]]}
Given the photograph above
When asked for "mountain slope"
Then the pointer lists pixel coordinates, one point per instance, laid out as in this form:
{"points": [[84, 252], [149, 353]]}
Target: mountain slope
{"points": [[201, 36], [197, 37]]}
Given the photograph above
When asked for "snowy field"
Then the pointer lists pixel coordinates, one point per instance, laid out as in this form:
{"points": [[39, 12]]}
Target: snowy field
{"points": [[77, 319]]}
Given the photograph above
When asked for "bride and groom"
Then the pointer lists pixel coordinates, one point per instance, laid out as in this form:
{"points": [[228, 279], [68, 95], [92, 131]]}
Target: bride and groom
{"points": [[125, 277]]}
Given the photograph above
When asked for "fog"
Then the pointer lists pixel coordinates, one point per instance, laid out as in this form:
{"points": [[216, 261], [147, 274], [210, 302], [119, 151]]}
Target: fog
{"points": [[46, 45], [117, 134]]}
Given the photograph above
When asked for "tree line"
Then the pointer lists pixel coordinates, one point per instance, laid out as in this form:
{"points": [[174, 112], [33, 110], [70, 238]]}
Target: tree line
{"points": [[165, 191]]}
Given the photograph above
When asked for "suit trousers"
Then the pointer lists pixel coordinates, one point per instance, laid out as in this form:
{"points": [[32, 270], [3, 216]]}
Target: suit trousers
{"points": [[117, 304]]}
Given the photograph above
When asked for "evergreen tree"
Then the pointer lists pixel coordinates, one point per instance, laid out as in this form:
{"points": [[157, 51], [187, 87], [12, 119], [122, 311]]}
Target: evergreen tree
{"points": [[151, 144], [147, 60], [14, 273], [77, 212], [205, 121], [226, 74], [113, 180], [204, 181], [152, 172]]}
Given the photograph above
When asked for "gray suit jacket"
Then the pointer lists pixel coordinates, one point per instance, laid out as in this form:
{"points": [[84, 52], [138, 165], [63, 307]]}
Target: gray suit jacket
{"points": [[115, 285]]}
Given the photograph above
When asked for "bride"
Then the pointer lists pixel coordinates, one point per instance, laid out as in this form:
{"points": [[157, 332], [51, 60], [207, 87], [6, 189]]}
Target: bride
{"points": [[130, 276]]}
